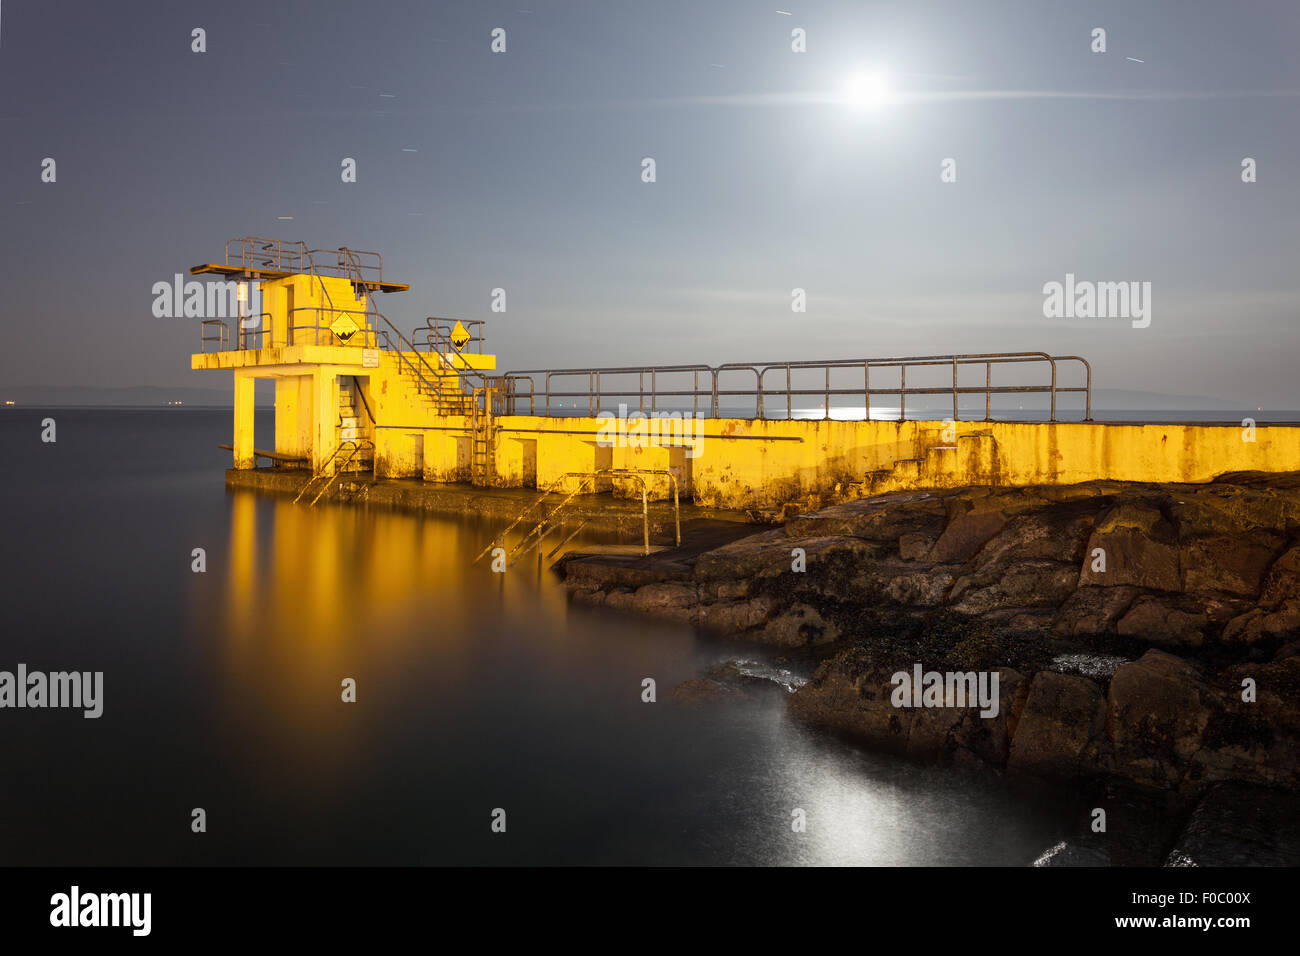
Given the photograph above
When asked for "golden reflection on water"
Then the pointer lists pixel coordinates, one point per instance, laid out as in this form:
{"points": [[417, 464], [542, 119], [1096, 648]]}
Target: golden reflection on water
{"points": [[315, 595]]}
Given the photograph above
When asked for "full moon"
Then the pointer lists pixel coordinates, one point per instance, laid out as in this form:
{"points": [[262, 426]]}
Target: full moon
{"points": [[867, 91]]}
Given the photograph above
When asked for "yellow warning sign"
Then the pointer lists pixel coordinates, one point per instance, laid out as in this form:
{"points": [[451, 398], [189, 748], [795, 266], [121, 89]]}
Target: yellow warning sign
{"points": [[459, 336], [344, 327]]}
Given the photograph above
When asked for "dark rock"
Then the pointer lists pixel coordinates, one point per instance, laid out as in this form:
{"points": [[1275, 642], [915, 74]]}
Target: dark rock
{"points": [[1091, 611], [1282, 583], [965, 535], [1002, 578], [1241, 825], [1153, 620], [1066, 853], [737, 617], [701, 690], [914, 546], [882, 518], [1140, 546], [1027, 584], [1234, 564], [797, 626], [1059, 733], [1156, 719], [1259, 624]]}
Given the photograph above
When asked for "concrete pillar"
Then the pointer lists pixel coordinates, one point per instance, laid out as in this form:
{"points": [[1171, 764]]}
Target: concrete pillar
{"points": [[293, 418], [242, 439], [325, 414]]}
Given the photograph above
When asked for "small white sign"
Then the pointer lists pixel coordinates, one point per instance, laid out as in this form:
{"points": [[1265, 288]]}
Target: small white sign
{"points": [[370, 358]]}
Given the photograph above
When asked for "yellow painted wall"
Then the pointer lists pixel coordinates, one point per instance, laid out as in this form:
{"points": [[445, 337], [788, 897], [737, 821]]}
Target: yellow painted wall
{"points": [[740, 463], [738, 468]]}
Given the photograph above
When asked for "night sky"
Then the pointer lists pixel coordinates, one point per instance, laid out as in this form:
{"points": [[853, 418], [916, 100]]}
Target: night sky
{"points": [[523, 170]]}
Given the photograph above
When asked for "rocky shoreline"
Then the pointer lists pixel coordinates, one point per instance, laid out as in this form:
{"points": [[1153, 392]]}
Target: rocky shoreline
{"points": [[1144, 634]]}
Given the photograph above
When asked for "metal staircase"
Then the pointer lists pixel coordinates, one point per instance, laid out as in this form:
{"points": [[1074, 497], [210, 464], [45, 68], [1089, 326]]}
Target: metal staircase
{"points": [[349, 450]]}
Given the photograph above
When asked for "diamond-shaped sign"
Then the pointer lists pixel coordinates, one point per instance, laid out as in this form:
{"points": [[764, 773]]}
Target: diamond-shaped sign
{"points": [[459, 336], [344, 327]]}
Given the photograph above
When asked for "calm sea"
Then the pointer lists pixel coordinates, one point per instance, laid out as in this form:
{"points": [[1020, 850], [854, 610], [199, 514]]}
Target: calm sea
{"points": [[475, 692]]}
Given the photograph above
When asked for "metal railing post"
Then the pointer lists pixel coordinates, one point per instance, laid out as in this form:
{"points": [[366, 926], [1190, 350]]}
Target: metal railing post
{"points": [[866, 390], [954, 389], [988, 391]]}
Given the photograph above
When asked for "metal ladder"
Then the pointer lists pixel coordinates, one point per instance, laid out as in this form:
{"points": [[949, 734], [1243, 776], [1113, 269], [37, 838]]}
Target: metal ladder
{"points": [[482, 465]]}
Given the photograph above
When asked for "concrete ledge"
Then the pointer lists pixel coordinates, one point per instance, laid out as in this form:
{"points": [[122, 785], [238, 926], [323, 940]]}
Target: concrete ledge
{"points": [[603, 512]]}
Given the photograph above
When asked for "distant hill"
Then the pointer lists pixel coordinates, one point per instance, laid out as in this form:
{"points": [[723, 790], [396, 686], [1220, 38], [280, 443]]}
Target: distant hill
{"points": [[136, 396], [1124, 398]]}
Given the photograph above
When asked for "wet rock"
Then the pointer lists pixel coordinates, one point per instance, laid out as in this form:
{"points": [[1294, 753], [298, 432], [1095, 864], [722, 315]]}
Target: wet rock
{"points": [[799, 625], [1241, 825], [1096, 667], [847, 695], [1135, 828], [853, 697], [593, 596], [737, 617], [700, 691], [673, 602], [733, 590], [1067, 853]]}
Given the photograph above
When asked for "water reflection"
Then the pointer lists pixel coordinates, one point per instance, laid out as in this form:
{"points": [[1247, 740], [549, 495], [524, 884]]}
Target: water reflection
{"points": [[478, 690]]}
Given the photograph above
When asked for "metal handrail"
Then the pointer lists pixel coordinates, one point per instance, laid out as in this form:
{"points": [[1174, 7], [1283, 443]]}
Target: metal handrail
{"points": [[369, 335], [257, 253], [439, 336], [587, 477], [222, 337], [355, 446], [594, 393], [439, 329]]}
